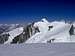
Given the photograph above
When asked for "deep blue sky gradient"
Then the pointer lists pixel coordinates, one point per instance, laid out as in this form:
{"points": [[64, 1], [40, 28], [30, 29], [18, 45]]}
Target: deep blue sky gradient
{"points": [[22, 11]]}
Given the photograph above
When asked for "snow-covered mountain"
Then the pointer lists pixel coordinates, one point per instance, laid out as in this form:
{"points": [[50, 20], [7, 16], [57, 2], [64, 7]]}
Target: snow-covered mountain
{"points": [[41, 31], [59, 32]]}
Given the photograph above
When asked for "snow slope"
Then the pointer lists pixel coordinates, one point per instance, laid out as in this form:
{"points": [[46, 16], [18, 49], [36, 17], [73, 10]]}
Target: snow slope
{"points": [[52, 49], [13, 34]]}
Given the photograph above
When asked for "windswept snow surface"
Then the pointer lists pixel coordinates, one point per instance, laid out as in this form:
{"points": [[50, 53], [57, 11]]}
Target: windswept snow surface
{"points": [[52, 49], [13, 34]]}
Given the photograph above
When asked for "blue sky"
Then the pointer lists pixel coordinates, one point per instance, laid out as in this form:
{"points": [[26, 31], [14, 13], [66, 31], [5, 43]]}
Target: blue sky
{"points": [[22, 11]]}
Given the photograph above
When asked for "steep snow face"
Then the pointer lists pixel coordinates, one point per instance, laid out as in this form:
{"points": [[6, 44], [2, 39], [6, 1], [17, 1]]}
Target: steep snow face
{"points": [[45, 21], [59, 32], [13, 34], [42, 25]]}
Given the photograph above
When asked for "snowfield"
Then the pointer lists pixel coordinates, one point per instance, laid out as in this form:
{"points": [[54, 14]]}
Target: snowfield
{"points": [[52, 49]]}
